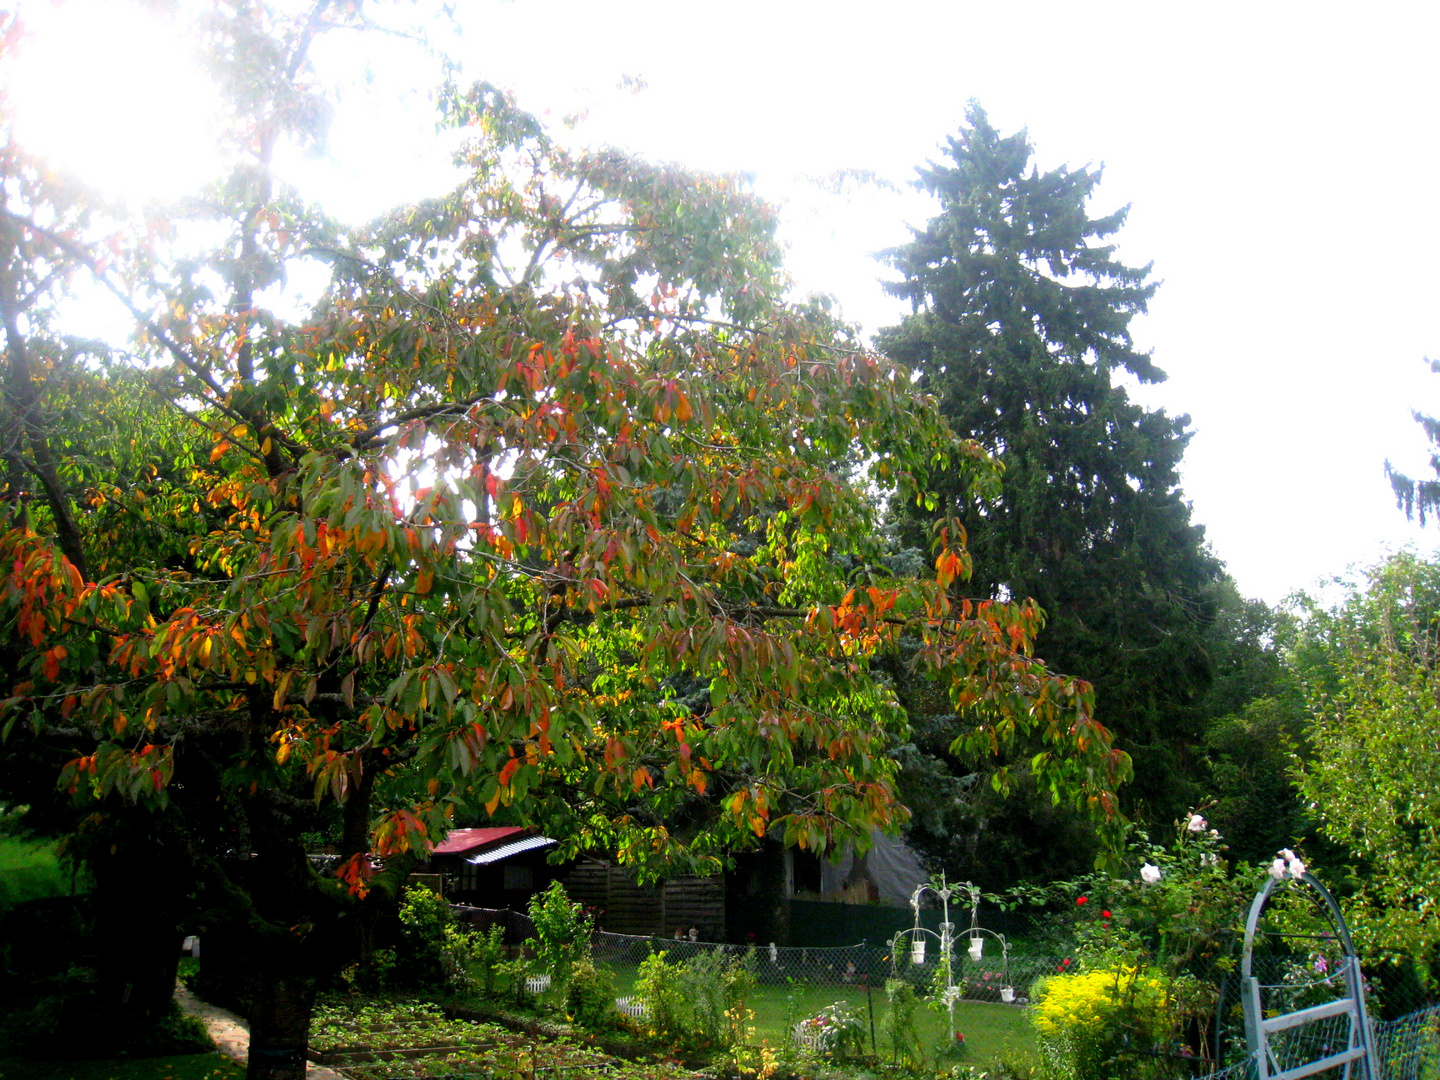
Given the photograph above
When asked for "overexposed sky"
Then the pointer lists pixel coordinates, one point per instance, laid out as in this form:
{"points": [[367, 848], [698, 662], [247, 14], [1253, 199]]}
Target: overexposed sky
{"points": [[1279, 160]]}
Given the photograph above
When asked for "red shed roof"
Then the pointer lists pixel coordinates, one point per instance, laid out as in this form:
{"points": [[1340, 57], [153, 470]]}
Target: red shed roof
{"points": [[459, 841]]}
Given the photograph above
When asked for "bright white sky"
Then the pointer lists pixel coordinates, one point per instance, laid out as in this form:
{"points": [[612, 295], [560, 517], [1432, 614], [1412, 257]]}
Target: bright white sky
{"points": [[1279, 160]]}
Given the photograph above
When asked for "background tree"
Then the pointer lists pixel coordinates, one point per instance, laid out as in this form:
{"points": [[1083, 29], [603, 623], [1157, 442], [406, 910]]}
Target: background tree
{"points": [[466, 533], [1021, 330], [1419, 497], [1370, 667]]}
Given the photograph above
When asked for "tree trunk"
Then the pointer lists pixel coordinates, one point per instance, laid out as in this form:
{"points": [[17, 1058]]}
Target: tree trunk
{"points": [[280, 1021]]}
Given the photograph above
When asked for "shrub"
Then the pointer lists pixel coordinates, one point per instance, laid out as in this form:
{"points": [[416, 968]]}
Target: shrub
{"points": [[562, 933], [590, 996], [487, 952], [658, 985], [1103, 1024], [899, 1023], [716, 988], [424, 918]]}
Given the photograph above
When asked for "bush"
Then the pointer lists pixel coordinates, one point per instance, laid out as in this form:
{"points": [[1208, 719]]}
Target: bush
{"points": [[899, 1023], [562, 934], [420, 957], [433, 950], [717, 987], [1103, 1024], [698, 1003], [658, 985], [487, 953], [590, 996]]}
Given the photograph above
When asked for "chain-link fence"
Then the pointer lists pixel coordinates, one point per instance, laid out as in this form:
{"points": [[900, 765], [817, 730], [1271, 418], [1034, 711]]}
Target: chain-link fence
{"points": [[999, 974], [1408, 1049], [1296, 973]]}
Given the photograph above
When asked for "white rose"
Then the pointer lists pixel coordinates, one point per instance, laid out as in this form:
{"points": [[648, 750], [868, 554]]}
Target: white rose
{"points": [[1277, 869], [1149, 873], [1196, 824], [1297, 868], [1287, 854]]}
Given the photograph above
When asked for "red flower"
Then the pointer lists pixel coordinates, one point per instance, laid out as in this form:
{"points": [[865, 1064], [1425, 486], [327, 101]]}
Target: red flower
{"points": [[1081, 900], [1104, 914]]}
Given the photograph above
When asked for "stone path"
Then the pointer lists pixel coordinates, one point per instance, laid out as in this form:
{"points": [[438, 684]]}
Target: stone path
{"points": [[231, 1035]]}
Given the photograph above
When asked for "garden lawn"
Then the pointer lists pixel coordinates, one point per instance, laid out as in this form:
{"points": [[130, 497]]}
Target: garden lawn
{"points": [[29, 871], [990, 1029], [183, 1067]]}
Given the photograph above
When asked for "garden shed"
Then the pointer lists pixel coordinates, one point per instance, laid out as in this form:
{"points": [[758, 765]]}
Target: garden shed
{"points": [[498, 867]]}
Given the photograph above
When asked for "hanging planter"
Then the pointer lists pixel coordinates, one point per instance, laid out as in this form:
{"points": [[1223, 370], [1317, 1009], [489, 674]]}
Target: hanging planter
{"points": [[977, 947], [1007, 994], [917, 951]]}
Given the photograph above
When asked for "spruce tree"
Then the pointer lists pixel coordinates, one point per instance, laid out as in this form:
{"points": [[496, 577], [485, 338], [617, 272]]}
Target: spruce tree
{"points": [[1020, 326]]}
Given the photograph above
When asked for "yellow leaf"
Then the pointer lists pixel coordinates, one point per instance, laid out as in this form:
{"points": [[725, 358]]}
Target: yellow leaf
{"points": [[265, 448], [220, 448]]}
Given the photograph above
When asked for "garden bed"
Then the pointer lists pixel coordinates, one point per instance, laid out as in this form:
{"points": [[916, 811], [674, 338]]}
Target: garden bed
{"points": [[422, 1041]]}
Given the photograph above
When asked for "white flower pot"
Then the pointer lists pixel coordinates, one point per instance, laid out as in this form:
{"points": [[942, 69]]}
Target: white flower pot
{"points": [[1007, 994], [977, 948], [917, 951]]}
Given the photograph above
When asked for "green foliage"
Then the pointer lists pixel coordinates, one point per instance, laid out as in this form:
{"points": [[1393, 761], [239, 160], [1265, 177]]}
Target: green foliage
{"points": [[514, 973], [448, 534], [716, 987], [658, 984], [61, 1021], [1148, 942], [590, 996], [1103, 1024], [697, 1002], [487, 952], [424, 920], [29, 870], [1370, 667], [1021, 328], [898, 1024], [562, 934]]}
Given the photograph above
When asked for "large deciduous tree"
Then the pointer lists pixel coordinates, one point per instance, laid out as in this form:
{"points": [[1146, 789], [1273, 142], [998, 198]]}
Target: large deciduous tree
{"points": [[1370, 668], [1021, 328], [536, 512]]}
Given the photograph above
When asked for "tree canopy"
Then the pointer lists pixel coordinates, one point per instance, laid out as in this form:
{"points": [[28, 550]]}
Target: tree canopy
{"points": [[1370, 668], [1021, 329], [548, 508]]}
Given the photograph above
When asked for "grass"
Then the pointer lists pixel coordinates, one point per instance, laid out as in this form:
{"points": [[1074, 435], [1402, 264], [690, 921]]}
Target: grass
{"points": [[29, 870], [184, 1067], [989, 1029]]}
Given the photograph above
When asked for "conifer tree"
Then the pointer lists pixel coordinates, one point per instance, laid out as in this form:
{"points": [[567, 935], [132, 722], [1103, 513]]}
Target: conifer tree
{"points": [[1020, 326]]}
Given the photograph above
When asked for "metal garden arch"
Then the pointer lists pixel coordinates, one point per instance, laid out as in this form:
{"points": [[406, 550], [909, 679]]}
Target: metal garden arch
{"points": [[1358, 1058]]}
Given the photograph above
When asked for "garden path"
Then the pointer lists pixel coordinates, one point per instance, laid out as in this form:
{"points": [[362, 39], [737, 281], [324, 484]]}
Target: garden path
{"points": [[231, 1035]]}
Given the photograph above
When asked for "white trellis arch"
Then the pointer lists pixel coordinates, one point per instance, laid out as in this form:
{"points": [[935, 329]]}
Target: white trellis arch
{"points": [[1357, 1059]]}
